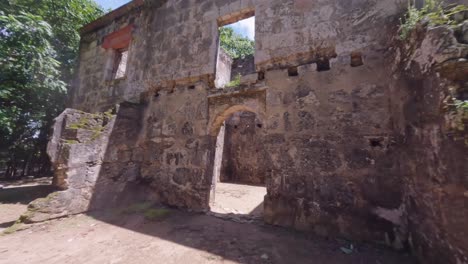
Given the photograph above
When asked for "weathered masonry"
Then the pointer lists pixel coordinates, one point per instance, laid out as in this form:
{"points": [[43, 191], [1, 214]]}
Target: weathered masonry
{"points": [[350, 137]]}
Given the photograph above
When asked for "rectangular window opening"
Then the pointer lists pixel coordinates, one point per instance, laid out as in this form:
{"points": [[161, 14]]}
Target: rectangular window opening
{"points": [[236, 49], [120, 63]]}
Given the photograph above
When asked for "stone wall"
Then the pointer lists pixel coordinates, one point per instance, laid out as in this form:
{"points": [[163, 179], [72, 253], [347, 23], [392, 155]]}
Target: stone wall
{"points": [[77, 149], [243, 66], [223, 69], [318, 125], [94, 88], [351, 145], [242, 145], [334, 169], [288, 33], [432, 73]]}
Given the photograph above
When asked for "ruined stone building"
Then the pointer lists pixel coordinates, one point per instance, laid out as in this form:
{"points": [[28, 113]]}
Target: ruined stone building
{"points": [[342, 120]]}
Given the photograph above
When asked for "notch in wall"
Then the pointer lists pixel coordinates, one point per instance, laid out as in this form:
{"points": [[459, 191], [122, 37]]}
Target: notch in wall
{"points": [[323, 64], [261, 75], [356, 59], [292, 72], [376, 142]]}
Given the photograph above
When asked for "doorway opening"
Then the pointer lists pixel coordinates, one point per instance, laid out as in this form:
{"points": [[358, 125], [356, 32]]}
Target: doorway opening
{"points": [[236, 48], [239, 169]]}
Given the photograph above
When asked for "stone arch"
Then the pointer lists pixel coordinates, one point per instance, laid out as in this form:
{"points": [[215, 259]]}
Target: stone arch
{"points": [[217, 120]]}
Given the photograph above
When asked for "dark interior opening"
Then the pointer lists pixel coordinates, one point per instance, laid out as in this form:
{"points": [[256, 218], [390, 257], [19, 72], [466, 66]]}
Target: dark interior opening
{"points": [[292, 71], [323, 64]]}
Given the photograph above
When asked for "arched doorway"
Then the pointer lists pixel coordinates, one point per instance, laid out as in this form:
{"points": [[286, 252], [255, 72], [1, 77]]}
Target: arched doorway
{"points": [[238, 185]]}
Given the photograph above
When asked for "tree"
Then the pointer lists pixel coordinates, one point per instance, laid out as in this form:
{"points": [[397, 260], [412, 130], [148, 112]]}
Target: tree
{"points": [[234, 44], [38, 50]]}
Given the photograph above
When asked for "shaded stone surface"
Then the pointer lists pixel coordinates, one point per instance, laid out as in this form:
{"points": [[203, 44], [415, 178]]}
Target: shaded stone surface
{"points": [[433, 156], [243, 150]]}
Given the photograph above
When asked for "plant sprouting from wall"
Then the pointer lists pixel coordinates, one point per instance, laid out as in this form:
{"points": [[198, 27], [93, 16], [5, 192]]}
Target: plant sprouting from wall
{"points": [[433, 11], [235, 82]]}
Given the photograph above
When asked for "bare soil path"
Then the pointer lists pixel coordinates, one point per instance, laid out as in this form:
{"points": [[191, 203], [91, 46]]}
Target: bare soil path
{"points": [[239, 199], [15, 197], [180, 237]]}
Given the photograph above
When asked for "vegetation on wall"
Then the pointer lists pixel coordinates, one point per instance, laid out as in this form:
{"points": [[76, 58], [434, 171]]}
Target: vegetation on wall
{"points": [[235, 82], [39, 43], [457, 118], [234, 44], [433, 11], [436, 13]]}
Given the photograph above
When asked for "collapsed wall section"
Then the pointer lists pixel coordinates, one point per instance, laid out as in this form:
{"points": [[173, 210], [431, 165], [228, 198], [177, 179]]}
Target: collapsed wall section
{"points": [[77, 149]]}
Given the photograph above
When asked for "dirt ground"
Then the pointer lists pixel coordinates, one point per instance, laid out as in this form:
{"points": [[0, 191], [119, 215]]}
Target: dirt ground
{"points": [[181, 237], [239, 199], [15, 197], [130, 236]]}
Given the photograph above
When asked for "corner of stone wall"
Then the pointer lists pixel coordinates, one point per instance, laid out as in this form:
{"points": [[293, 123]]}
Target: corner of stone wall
{"points": [[76, 150], [432, 67]]}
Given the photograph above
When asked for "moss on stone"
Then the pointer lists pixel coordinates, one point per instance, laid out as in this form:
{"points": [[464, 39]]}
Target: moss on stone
{"points": [[26, 217], [137, 208], [145, 208], [17, 226], [36, 204], [71, 141], [82, 124], [97, 128], [157, 214]]}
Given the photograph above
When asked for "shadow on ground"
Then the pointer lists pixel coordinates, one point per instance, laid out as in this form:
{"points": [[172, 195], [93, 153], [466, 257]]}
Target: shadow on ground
{"points": [[249, 243], [25, 194]]}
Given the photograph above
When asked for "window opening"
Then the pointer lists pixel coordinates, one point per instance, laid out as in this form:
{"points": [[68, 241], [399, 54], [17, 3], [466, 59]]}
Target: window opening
{"points": [[236, 49]]}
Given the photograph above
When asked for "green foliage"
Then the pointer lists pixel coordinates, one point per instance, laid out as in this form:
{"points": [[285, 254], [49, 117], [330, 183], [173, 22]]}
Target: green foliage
{"points": [[235, 82], [457, 117], [462, 105], [38, 49], [435, 13], [460, 115], [66, 18], [234, 44], [29, 81]]}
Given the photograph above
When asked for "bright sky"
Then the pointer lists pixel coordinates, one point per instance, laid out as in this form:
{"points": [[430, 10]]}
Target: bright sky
{"points": [[244, 27], [111, 4]]}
